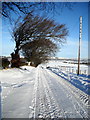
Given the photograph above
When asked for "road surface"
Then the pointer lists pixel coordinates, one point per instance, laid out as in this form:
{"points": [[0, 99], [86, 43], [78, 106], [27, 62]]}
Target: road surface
{"points": [[43, 94]]}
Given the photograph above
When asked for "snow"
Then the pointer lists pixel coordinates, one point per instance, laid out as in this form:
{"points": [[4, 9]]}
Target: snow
{"points": [[67, 66], [39, 92], [80, 81]]}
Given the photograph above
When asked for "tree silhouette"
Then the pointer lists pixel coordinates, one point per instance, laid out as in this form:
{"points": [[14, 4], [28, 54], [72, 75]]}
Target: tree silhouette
{"points": [[9, 9], [34, 28], [39, 50]]}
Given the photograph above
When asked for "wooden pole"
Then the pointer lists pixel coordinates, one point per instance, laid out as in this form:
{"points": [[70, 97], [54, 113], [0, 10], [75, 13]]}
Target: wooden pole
{"points": [[80, 37]]}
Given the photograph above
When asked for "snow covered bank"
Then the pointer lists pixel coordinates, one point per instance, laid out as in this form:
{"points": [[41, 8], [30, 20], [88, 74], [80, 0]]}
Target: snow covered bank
{"points": [[68, 72], [80, 81]]}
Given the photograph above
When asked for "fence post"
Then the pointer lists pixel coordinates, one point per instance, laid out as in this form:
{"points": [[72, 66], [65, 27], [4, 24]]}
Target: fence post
{"points": [[85, 72], [76, 71], [72, 70]]}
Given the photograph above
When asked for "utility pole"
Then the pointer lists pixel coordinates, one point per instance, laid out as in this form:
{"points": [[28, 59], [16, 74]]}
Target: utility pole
{"points": [[80, 37]]}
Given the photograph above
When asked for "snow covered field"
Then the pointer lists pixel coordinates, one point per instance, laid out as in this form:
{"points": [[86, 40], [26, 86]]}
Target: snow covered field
{"points": [[44, 93]]}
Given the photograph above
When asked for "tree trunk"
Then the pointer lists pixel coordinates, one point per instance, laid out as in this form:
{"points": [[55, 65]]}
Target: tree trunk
{"points": [[15, 62]]}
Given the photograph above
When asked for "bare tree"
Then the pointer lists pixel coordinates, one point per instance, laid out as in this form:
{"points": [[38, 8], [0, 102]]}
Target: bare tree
{"points": [[34, 28], [9, 9]]}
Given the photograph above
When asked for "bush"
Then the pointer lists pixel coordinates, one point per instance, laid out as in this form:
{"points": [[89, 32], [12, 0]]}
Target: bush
{"points": [[5, 63]]}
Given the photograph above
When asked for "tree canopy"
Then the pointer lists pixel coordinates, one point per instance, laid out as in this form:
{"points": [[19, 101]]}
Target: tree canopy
{"points": [[34, 28], [38, 35], [39, 50]]}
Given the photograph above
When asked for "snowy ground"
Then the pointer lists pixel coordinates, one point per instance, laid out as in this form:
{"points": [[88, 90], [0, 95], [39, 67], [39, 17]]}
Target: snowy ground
{"points": [[43, 93]]}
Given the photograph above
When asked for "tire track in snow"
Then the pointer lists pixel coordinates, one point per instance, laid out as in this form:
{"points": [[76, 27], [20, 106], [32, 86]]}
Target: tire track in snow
{"points": [[82, 110], [78, 94], [46, 104], [55, 111], [32, 107]]}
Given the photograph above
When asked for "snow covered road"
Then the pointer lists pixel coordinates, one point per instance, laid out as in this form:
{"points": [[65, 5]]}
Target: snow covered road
{"points": [[39, 93]]}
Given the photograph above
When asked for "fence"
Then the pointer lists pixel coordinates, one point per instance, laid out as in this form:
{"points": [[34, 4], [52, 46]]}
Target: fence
{"points": [[69, 69]]}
